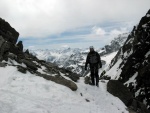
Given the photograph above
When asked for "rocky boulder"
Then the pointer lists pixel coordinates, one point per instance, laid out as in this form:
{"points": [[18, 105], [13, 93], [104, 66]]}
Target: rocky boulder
{"points": [[29, 64], [87, 80], [71, 75], [3, 64], [117, 89], [60, 80]]}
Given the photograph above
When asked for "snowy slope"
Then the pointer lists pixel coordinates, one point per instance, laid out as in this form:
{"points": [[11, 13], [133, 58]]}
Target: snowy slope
{"points": [[27, 93], [30, 85], [108, 59]]}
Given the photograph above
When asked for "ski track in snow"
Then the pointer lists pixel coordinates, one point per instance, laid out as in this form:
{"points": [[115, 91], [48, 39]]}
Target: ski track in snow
{"points": [[27, 93]]}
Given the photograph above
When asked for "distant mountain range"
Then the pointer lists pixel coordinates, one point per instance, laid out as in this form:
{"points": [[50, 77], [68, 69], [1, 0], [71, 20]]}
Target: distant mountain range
{"points": [[73, 59]]}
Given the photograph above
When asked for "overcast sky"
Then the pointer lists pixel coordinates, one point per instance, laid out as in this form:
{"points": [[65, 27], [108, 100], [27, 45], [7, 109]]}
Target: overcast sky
{"points": [[75, 23]]}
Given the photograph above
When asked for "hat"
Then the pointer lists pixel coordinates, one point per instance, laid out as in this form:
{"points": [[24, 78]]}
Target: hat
{"points": [[91, 47]]}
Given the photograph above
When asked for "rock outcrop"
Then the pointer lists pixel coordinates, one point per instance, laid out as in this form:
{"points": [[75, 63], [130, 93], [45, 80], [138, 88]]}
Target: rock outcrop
{"points": [[11, 52], [7, 32], [134, 69], [115, 44], [117, 89]]}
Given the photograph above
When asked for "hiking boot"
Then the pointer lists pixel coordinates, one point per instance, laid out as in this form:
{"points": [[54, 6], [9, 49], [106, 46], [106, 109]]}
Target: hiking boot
{"points": [[97, 84], [92, 84]]}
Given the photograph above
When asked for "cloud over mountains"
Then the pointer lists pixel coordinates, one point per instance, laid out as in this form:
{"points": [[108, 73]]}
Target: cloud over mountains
{"points": [[46, 18]]}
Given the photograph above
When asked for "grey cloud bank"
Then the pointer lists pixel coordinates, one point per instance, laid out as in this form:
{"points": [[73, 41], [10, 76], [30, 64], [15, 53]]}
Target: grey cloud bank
{"points": [[42, 18]]}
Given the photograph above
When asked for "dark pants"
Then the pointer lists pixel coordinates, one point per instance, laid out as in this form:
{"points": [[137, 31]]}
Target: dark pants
{"points": [[94, 74]]}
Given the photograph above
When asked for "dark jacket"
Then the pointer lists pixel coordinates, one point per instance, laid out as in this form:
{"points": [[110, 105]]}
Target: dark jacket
{"points": [[88, 59]]}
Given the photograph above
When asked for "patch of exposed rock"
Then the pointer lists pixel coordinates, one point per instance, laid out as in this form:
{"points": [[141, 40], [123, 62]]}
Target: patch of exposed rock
{"points": [[11, 51]]}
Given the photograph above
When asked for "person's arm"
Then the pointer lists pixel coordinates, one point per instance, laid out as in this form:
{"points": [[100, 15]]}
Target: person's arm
{"points": [[99, 61], [87, 61]]}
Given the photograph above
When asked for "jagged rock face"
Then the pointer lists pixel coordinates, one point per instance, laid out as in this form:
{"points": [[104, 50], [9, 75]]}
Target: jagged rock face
{"points": [[135, 55], [8, 39], [7, 32], [11, 52], [115, 44]]}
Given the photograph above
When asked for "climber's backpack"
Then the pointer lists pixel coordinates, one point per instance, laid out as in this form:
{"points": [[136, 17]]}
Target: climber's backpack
{"points": [[93, 58]]}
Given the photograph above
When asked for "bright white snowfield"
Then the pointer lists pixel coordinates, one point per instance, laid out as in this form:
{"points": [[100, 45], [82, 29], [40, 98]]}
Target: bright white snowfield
{"points": [[27, 93]]}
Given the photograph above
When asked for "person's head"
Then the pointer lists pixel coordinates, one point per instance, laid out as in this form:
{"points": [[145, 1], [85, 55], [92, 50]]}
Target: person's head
{"points": [[91, 48]]}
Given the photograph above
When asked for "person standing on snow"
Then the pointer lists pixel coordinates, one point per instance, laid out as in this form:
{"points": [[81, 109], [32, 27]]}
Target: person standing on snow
{"points": [[94, 60]]}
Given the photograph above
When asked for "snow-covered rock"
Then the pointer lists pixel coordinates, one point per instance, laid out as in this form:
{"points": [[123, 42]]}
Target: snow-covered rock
{"points": [[131, 65]]}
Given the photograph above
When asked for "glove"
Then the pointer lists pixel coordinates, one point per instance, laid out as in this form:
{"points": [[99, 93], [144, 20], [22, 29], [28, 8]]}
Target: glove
{"points": [[85, 68], [100, 66]]}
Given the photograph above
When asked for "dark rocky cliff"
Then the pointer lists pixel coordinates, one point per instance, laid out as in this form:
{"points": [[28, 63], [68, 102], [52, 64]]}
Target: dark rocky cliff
{"points": [[135, 55], [7, 32]]}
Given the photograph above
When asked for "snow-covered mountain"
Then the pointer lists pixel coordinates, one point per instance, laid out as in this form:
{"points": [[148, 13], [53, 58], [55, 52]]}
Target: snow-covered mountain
{"points": [[115, 44], [74, 59], [30, 85], [131, 65]]}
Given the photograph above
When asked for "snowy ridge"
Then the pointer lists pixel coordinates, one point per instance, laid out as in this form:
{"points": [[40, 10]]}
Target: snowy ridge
{"points": [[27, 93]]}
